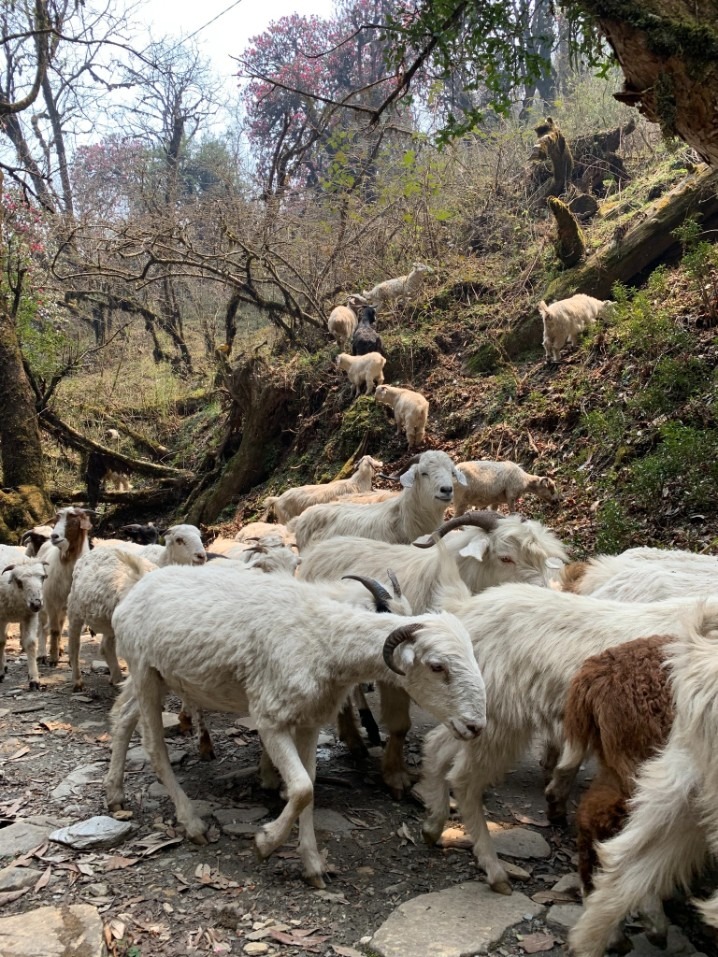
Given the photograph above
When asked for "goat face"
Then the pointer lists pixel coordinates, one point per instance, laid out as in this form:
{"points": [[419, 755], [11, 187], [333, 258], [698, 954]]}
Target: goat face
{"points": [[28, 579], [71, 527], [442, 675], [186, 545], [434, 473]]}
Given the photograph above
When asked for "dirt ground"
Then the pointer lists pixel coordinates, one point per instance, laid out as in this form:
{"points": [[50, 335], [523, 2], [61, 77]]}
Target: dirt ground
{"points": [[161, 895]]}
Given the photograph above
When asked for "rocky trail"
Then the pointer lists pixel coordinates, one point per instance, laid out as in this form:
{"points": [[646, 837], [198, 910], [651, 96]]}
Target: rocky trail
{"points": [[151, 893]]}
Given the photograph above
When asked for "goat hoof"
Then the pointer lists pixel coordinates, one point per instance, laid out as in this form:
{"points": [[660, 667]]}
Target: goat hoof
{"points": [[34, 686], [261, 848], [206, 754], [78, 686], [430, 835], [315, 880], [200, 839], [42, 660], [502, 887]]}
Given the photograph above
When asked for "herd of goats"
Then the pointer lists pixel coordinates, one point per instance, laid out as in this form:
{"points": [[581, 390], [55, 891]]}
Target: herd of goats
{"points": [[482, 620], [354, 325]]}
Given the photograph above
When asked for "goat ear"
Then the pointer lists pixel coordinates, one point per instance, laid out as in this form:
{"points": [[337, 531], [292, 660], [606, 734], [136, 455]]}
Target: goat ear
{"points": [[476, 548], [85, 522], [407, 478], [459, 476]]}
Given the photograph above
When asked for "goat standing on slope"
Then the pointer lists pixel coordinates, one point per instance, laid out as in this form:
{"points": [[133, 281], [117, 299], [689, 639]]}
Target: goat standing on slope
{"points": [[564, 320]]}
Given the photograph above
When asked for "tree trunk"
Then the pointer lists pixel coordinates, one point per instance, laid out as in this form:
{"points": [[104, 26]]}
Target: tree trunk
{"points": [[20, 448], [19, 433], [668, 51], [629, 255], [267, 407]]}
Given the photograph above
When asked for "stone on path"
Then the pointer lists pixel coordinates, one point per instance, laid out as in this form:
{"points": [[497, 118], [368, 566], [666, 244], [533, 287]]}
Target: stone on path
{"points": [[53, 932], [678, 946], [520, 842], [76, 781], [21, 837], [465, 919], [15, 878], [563, 916], [232, 815], [96, 832], [327, 820], [100, 667]]}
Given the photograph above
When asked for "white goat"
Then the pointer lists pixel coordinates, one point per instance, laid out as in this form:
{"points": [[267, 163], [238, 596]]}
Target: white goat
{"points": [[411, 411], [295, 500], [489, 551], [644, 574], [68, 542], [21, 601], [183, 546], [342, 322], [366, 370], [269, 554], [406, 287], [255, 531], [529, 643], [283, 651], [565, 319], [103, 577], [490, 484], [673, 824], [428, 489]]}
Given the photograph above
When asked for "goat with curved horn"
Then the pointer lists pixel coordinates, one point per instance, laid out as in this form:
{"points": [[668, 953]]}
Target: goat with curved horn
{"points": [[396, 638], [482, 519], [380, 595]]}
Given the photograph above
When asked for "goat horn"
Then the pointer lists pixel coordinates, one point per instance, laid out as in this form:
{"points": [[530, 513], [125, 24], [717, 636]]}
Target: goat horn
{"points": [[399, 635], [482, 519], [379, 593], [389, 478], [394, 583]]}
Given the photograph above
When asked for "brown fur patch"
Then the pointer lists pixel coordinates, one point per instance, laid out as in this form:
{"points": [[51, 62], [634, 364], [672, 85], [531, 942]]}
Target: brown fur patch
{"points": [[572, 574], [620, 706]]}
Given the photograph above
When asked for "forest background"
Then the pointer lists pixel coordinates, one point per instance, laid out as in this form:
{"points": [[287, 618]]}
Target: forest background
{"points": [[172, 282]]}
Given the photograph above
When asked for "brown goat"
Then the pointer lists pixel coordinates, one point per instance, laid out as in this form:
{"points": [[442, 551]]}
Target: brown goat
{"points": [[620, 706], [571, 574]]}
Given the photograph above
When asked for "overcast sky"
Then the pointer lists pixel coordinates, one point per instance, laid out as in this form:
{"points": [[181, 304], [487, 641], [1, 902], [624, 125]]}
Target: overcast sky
{"points": [[230, 33]]}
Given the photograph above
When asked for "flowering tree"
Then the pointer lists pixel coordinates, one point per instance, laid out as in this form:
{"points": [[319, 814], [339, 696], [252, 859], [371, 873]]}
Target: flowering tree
{"points": [[300, 71]]}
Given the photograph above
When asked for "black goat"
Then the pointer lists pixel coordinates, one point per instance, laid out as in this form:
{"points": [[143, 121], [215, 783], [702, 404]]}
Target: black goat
{"points": [[366, 338], [142, 534]]}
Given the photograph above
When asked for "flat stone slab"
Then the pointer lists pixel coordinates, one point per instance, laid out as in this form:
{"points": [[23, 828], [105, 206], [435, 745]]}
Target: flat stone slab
{"points": [[327, 820], [64, 931], [95, 832], [563, 916], [15, 878], [239, 815], [77, 780], [458, 922], [20, 837], [520, 842], [138, 757]]}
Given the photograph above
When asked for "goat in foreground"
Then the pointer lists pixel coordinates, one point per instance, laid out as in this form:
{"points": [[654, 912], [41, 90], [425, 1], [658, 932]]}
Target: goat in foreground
{"points": [[529, 643], [239, 640], [673, 822]]}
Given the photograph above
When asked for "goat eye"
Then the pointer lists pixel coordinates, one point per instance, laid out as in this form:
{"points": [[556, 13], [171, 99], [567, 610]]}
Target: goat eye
{"points": [[19, 584], [506, 560], [180, 541], [437, 668]]}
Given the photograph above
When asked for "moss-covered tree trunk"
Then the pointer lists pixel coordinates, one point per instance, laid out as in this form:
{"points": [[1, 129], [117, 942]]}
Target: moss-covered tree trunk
{"points": [[628, 256], [20, 446], [266, 406], [668, 51]]}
